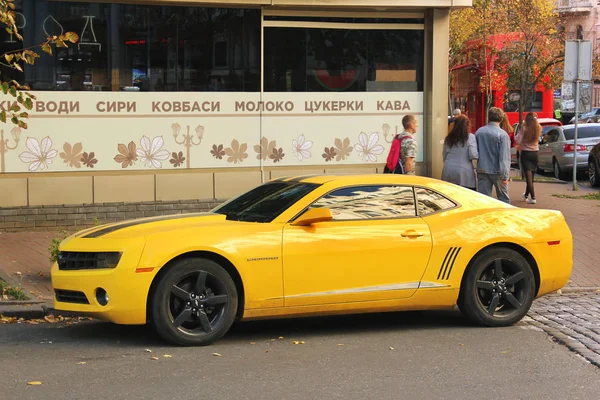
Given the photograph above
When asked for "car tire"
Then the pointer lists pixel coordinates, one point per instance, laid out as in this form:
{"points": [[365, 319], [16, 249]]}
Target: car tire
{"points": [[498, 288], [557, 171], [593, 171], [195, 302]]}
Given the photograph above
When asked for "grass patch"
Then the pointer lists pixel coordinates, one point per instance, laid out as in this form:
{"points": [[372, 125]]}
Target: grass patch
{"points": [[590, 196], [9, 293], [536, 179]]}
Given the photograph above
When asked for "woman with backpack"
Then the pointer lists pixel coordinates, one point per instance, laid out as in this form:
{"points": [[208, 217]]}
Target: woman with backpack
{"points": [[460, 149]]}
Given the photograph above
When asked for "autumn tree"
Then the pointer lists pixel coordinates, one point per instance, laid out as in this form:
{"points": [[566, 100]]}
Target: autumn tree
{"points": [[482, 21], [16, 58], [535, 54]]}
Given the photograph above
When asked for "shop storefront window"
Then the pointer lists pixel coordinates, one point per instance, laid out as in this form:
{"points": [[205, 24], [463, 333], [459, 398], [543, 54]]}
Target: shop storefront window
{"points": [[139, 48], [340, 60]]}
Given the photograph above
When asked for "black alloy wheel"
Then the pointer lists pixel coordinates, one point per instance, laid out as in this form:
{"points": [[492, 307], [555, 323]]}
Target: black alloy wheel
{"points": [[499, 288], [593, 172], [195, 302]]}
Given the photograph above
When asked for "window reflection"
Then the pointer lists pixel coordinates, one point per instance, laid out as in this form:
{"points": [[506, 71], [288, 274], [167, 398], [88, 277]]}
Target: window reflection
{"points": [[333, 60], [429, 201], [139, 48], [365, 202]]}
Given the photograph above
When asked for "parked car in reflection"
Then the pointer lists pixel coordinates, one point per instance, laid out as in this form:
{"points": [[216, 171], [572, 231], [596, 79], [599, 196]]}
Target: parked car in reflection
{"points": [[594, 166], [546, 123], [557, 149], [587, 118]]}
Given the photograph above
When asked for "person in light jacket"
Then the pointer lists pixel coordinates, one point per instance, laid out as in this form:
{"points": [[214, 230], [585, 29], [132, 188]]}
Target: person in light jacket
{"points": [[460, 149]]}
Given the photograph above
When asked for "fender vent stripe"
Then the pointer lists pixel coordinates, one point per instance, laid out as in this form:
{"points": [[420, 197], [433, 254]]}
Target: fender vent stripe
{"points": [[448, 263]]}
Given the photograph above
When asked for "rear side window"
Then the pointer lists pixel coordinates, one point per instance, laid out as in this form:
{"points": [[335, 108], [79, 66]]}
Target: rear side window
{"points": [[369, 202], [429, 202], [583, 132]]}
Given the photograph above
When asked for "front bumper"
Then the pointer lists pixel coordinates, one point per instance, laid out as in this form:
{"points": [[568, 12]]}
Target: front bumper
{"points": [[127, 288]]}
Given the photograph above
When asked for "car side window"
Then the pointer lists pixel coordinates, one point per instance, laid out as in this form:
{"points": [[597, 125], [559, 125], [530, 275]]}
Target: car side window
{"points": [[369, 202], [551, 136], [429, 201]]}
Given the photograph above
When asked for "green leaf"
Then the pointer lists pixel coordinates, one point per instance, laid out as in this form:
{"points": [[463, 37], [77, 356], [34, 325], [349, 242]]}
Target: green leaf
{"points": [[15, 107], [3, 116], [47, 48], [13, 91], [28, 104], [23, 124], [4, 87], [14, 120], [24, 115]]}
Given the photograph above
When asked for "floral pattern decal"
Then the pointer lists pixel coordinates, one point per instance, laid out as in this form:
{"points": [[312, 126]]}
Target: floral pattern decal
{"points": [[40, 155], [127, 154], [277, 155], [72, 154], [368, 147], [217, 151], [301, 147], [236, 153], [89, 159], [329, 154], [342, 148], [264, 150], [177, 159], [152, 153]]}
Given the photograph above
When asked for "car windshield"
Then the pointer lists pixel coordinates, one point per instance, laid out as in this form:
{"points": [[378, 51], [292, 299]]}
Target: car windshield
{"points": [[265, 202], [583, 132]]}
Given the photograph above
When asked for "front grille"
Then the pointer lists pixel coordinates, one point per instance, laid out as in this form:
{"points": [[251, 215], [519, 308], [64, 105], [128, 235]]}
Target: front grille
{"points": [[75, 260], [71, 296]]}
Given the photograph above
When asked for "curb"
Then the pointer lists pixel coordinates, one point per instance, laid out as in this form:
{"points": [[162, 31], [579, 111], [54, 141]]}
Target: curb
{"points": [[580, 289], [29, 310]]}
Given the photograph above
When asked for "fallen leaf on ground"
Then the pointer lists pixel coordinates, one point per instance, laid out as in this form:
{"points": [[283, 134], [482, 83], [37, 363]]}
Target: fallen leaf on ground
{"points": [[216, 354], [252, 342], [40, 273], [18, 273], [81, 363], [167, 356], [148, 351], [34, 383], [391, 348], [298, 341], [280, 337], [505, 352], [154, 358], [340, 344]]}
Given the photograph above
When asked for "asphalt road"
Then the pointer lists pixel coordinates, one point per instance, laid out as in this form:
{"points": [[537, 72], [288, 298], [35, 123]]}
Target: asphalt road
{"points": [[426, 355]]}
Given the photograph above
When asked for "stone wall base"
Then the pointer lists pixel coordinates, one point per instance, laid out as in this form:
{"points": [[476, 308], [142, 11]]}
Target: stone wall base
{"points": [[74, 217]]}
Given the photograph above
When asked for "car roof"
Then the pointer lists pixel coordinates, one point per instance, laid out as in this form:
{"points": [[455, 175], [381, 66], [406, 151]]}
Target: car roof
{"points": [[358, 178], [548, 121]]}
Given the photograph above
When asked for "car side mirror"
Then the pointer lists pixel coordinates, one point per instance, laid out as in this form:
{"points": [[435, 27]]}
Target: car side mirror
{"points": [[312, 216]]}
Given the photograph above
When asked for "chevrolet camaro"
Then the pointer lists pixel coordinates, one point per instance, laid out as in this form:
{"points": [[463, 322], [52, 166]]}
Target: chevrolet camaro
{"points": [[317, 245]]}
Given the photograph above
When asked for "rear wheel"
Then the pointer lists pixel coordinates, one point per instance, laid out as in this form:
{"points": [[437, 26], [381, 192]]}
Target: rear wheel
{"points": [[593, 172], [558, 172], [498, 289], [195, 303]]}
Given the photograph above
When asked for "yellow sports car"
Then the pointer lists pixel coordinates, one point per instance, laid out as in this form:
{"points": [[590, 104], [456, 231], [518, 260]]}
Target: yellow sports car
{"points": [[317, 245]]}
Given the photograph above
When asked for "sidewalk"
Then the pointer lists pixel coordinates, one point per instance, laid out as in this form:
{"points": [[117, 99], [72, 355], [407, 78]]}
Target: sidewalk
{"points": [[24, 256]]}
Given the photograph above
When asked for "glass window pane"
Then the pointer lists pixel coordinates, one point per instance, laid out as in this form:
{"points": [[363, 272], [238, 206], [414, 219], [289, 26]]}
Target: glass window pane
{"points": [[338, 60], [366, 202], [139, 48], [429, 201]]}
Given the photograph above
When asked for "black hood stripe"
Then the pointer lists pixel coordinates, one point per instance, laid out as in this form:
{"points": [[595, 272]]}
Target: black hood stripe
{"points": [[113, 228]]}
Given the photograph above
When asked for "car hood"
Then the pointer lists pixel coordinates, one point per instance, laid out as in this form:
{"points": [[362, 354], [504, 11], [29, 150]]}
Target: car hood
{"points": [[147, 226]]}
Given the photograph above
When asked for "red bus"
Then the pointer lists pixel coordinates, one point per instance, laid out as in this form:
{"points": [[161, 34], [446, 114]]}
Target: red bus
{"points": [[468, 95]]}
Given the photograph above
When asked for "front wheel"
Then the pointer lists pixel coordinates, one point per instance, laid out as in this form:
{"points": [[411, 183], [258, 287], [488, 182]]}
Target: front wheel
{"points": [[195, 303], [498, 289]]}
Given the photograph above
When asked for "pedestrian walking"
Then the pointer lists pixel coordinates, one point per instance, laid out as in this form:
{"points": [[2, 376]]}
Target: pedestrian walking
{"points": [[493, 165], [529, 139], [459, 151], [401, 158]]}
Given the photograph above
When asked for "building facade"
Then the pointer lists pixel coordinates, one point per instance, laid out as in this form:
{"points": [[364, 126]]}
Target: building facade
{"points": [[581, 20], [172, 106]]}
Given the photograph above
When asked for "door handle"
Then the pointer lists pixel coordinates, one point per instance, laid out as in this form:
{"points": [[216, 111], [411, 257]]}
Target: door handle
{"points": [[411, 233]]}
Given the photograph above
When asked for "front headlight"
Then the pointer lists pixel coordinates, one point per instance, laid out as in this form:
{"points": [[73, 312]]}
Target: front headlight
{"points": [[76, 260]]}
